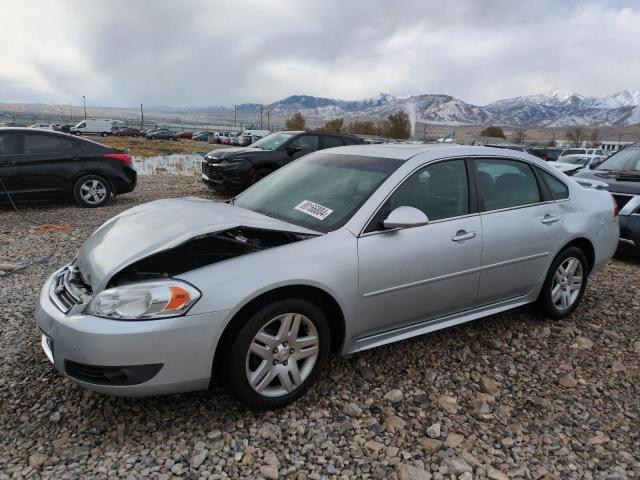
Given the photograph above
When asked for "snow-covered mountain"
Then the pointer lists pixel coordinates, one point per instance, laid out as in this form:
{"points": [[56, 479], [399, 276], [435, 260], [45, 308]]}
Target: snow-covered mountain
{"points": [[559, 109], [551, 109]]}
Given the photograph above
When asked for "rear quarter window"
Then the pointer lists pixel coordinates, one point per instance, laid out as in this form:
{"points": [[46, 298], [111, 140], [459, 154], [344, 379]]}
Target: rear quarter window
{"points": [[557, 189]]}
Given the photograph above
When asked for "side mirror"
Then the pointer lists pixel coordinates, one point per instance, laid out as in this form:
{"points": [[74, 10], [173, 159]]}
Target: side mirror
{"points": [[405, 217], [291, 149]]}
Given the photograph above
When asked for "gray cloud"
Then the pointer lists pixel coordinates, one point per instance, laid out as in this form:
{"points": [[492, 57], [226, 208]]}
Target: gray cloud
{"points": [[207, 53]]}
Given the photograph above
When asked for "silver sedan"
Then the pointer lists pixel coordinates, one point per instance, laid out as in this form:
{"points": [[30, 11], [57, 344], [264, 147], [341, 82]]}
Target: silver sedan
{"points": [[340, 251]]}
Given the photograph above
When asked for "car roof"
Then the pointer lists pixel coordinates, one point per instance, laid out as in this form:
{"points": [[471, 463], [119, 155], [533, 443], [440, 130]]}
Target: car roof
{"points": [[34, 130], [404, 151]]}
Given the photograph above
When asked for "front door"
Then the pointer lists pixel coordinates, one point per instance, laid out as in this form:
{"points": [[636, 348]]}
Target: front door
{"points": [[416, 274]]}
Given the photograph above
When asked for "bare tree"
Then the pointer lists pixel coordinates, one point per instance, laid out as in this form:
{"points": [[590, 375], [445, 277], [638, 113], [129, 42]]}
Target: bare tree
{"points": [[296, 122], [575, 136], [594, 136], [519, 136]]}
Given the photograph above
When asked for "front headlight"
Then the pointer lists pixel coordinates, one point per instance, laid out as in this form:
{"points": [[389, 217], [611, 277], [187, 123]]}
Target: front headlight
{"points": [[145, 300]]}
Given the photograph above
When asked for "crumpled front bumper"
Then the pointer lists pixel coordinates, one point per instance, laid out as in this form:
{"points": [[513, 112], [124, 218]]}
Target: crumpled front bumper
{"points": [[181, 349]]}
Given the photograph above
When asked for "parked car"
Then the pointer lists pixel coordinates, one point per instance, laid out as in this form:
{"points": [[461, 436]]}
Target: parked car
{"points": [[63, 128], [92, 126], [44, 126], [227, 140], [203, 137], [128, 132], [221, 137], [161, 134], [546, 153], [340, 251], [234, 169], [246, 140], [185, 135], [621, 173], [571, 164], [583, 151], [38, 164]]}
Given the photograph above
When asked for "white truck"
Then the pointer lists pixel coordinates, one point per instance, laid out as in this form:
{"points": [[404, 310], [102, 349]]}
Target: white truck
{"points": [[92, 126]]}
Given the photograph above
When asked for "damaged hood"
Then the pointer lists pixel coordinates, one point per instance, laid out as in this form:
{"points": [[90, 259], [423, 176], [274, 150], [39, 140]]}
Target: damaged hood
{"points": [[161, 225]]}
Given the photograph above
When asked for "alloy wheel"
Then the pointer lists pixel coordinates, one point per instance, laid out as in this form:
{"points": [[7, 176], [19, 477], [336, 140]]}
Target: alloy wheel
{"points": [[93, 191], [567, 283], [282, 355]]}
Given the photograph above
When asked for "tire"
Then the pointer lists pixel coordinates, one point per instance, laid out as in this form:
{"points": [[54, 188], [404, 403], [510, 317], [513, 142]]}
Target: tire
{"points": [[260, 174], [277, 383], [570, 293], [92, 191], [103, 134]]}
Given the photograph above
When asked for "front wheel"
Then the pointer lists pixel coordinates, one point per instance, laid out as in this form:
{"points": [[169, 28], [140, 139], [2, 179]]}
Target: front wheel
{"points": [[278, 354], [92, 191], [565, 284]]}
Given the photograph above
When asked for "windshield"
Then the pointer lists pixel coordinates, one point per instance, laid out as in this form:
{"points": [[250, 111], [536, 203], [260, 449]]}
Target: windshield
{"points": [[320, 191], [273, 141], [574, 160], [627, 159]]}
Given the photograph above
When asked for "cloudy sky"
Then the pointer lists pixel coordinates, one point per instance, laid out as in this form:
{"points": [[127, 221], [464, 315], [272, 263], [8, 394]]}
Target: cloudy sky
{"points": [[123, 52]]}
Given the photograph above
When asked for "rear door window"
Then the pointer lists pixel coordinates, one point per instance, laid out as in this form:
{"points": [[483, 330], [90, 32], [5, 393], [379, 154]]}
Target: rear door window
{"points": [[8, 143], [506, 184], [34, 143], [308, 143], [330, 142]]}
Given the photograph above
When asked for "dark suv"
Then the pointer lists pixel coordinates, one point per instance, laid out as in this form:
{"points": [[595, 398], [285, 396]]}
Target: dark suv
{"points": [[231, 170], [40, 164], [621, 172]]}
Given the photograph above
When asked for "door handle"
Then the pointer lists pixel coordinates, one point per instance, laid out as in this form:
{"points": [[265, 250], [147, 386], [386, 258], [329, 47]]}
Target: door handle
{"points": [[462, 235], [548, 219]]}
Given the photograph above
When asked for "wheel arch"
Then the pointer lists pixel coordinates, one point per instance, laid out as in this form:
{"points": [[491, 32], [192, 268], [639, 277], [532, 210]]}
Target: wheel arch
{"points": [[587, 248], [321, 298]]}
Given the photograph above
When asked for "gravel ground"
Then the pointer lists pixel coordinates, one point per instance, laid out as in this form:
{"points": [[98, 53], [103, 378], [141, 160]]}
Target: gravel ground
{"points": [[508, 396]]}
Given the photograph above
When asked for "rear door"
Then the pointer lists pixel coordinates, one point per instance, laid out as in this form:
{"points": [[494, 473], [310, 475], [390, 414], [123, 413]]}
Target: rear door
{"points": [[521, 228], [329, 141], [47, 162]]}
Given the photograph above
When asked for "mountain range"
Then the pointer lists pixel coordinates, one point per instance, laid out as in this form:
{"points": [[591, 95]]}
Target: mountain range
{"points": [[551, 109]]}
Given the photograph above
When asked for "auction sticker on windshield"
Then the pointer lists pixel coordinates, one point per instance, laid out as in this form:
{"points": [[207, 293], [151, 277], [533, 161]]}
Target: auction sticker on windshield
{"points": [[313, 209]]}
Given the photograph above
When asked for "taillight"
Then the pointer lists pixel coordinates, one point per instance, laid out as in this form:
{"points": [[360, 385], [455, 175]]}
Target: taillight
{"points": [[616, 210], [121, 157]]}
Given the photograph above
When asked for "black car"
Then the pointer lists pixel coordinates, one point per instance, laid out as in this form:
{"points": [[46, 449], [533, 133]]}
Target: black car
{"points": [[39, 164], [231, 170], [621, 171], [550, 154], [161, 134]]}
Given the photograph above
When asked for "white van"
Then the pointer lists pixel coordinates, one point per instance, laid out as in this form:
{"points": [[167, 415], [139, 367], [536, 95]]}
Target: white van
{"points": [[255, 133], [92, 126]]}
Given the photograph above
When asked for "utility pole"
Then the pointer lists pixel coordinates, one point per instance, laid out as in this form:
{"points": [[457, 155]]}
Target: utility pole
{"points": [[70, 114], [84, 103], [268, 119], [261, 107], [235, 115], [141, 118]]}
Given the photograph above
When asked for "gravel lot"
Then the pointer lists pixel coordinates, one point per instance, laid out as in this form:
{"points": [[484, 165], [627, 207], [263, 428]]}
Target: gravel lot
{"points": [[508, 396]]}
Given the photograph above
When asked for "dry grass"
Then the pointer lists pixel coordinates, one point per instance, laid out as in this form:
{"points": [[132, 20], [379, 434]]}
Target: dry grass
{"points": [[141, 147]]}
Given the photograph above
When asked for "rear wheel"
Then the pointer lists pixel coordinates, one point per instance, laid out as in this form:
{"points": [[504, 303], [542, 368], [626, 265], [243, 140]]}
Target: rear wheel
{"points": [[278, 354], [565, 284], [92, 191]]}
